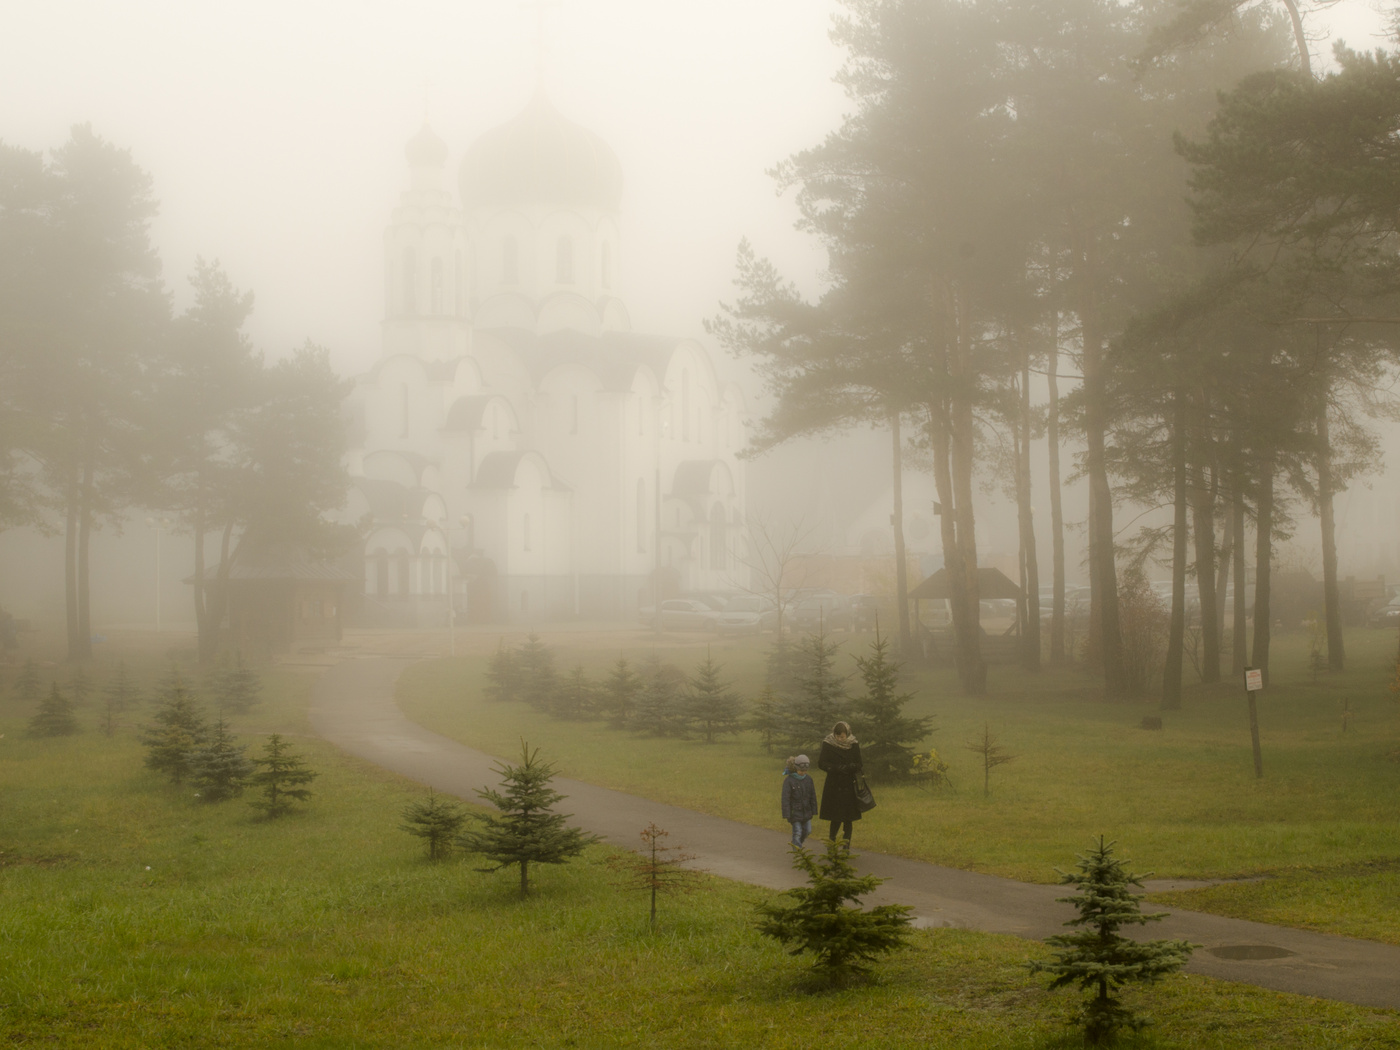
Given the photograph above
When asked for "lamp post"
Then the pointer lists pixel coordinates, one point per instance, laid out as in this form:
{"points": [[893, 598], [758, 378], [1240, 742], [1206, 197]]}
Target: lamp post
{"points": [[159, 525]]}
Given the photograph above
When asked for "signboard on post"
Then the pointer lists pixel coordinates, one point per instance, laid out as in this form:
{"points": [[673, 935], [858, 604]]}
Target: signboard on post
{"points": [[1253, 679], [1254, 683]]}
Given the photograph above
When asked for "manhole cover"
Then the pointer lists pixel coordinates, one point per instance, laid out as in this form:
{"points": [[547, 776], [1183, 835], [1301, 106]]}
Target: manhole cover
{"points": [[1250, 951]]}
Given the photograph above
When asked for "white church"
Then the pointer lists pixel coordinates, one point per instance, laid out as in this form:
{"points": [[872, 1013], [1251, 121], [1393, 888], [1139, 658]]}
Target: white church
{"points": [[518, 453]]}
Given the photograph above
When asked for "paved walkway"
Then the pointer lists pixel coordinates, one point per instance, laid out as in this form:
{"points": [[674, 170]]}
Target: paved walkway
{"points": [[353, 707]]}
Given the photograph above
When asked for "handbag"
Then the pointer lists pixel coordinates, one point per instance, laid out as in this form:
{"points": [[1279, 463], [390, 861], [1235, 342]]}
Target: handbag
{"points": [[865, 799]]}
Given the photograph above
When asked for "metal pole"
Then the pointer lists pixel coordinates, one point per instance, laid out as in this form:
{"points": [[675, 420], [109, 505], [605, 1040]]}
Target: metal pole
{"points": [[159, 530]]}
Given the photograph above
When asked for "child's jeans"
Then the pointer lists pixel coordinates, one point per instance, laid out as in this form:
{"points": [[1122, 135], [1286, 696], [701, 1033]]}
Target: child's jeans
{"points": [[800, 830]]}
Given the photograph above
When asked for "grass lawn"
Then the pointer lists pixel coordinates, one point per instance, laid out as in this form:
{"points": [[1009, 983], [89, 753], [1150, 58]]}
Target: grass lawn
{"points": [[1319, 830], [132, 916]]}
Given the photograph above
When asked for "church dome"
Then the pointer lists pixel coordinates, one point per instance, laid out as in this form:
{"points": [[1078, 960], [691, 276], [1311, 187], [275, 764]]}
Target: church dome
{"points": [[541, 157], [426, 149]]}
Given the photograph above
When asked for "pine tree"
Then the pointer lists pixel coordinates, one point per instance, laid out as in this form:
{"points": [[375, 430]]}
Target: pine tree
{"points": [[576, 697], [886, 733], [55, 716], [237, 688], [660, 707], [528, 830], [538, 679], [282, 776], [620, 691], [709, 704], [436, 820], [657, 869], [80, 686], [179, 731], [764, 718], [118, 694], [503, 675], [784, 667], [28, 686], [220, 769], [820, 699], [1099, 958], [843, 937]]}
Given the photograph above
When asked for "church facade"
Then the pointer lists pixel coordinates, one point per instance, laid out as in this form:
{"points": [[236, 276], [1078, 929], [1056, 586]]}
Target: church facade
{"points": [[518, 452]]}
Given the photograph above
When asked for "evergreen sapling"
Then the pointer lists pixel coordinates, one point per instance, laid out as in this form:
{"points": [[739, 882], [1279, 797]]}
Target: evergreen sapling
{"points": [[658, 868], [503, 675], [118, 694], [620, 690], [282, 776], [993, 754], [764, 718], [80, 686], [575, 697], [28, 686], [821, 698], [661, 709], [527, 830], [220, 769], [538, 679], [710, 704], [54, 717], [886, 731], [179, 730], [1098, 958], [436, 820]]}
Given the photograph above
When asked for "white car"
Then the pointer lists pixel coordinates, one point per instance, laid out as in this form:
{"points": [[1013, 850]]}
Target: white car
{"points": [[681, 614], [747, 615]]}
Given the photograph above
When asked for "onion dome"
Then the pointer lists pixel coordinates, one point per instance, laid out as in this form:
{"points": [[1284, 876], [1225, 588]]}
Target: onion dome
{"points": [[540, 157], [425, 149]]}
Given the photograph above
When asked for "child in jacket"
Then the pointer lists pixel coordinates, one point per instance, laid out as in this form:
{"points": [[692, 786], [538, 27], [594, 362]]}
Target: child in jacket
{"points": [[799, 798]]}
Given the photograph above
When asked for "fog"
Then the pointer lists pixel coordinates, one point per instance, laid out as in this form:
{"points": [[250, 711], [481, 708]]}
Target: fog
{"points": [[275, 137]]}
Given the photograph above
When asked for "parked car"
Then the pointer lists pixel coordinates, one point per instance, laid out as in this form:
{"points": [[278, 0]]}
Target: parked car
{"points": [[681, 614], [747, 614], [869, 609], [826, 610], [1387, 615]]}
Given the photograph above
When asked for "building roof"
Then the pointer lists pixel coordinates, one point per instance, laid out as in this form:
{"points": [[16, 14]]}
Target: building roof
{"points": [[541, 157], [614, 357], [497, 470], [991, 583], [425, 149]]}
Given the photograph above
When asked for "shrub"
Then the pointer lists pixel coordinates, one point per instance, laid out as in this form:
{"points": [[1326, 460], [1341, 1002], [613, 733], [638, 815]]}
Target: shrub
{"points": [[436, 820]]}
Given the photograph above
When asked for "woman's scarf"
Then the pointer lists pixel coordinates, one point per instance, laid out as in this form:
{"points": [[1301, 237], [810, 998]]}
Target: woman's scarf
{"points": [[843, 744]]}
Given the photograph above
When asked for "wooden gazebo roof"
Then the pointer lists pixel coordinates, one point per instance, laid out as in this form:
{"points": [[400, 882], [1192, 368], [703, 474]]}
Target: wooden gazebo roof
{"points": [[991, 583]]}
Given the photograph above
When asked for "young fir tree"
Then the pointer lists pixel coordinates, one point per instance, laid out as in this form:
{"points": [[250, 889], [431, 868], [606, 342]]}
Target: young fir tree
{"points": [[765, 719], [28, 686], [237, 688], [436, 820], [575, 698], [886, 732], [992, 753], [1098, 958], [503, 674], [119, 693], [657, 868], [709, 704], [80, 686], [842, 936], [784, 667], [538, 679], [220, 769], [620, 691], [282, 777], [179, 730], [820, 699], [54, 717], [528, 831], [660, 709]]}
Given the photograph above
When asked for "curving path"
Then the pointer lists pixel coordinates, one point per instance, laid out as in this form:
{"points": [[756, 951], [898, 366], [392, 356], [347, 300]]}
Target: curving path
{"points": [[353, 707]]}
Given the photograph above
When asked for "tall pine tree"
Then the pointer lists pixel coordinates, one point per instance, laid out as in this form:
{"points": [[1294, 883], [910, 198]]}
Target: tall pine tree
{"points": [[886, 733], [710, 705], [282, 776]]}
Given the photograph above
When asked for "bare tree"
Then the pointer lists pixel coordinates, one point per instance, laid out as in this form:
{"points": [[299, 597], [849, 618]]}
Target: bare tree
{"points": [[775, 556]]}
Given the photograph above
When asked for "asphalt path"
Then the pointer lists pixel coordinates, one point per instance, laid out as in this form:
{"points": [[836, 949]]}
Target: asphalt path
{"points": [[353, 707]]}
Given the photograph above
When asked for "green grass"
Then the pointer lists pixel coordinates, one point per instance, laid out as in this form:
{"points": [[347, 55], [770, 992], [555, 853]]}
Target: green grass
{"points": [[132, 916], [1319, 828]]}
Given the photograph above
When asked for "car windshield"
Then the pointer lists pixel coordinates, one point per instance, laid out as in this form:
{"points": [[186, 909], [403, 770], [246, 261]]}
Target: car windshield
{"points": [[744, 605]]}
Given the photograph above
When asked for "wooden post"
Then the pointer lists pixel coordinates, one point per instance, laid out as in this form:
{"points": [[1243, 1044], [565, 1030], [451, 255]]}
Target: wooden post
{"points": [[1253, 683]]}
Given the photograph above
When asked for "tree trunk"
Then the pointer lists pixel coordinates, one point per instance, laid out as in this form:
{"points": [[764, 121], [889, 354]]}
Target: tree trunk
{"points": [[1030, 567], [901, 573], [1241, 604], [85, 499], [1057, 520], [1263, 559], [1331, 593], [1203, 527], [1222, 580], [962, 459], [70, 564], [1176, 639]]}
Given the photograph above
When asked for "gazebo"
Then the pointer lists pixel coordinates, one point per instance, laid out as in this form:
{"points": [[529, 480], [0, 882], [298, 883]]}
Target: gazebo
{"points": [[992, 584]]}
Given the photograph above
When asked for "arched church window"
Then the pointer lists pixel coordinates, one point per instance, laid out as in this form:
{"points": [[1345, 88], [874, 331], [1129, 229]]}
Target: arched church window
{"points": [[685, 405], [525, 530], [718, 547], [643, 507], [403, 574], [510, 261], [605, 267], [435, 287], [564, 260], [410, 282], [381, 572]]}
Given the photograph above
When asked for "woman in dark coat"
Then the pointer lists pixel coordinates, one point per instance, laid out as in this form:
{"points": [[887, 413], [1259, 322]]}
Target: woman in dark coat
{"points": [[840, 760]]}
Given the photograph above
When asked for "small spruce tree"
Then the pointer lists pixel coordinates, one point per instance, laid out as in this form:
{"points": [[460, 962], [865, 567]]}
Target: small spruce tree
{"points": [[538, 678], [821, 698], [886, 732], [528, 830], [576, 697], [765, 719], [282, 776], [54, 717], [220, 769], [28, 686], [436, 820], [1098, 958], [826, 921], [179, 730], [661, 709], [239, 687], [993, 754], [503, 674], [80, 686], [657, 868], [619, 694], [709, 704], [119, 693]]}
